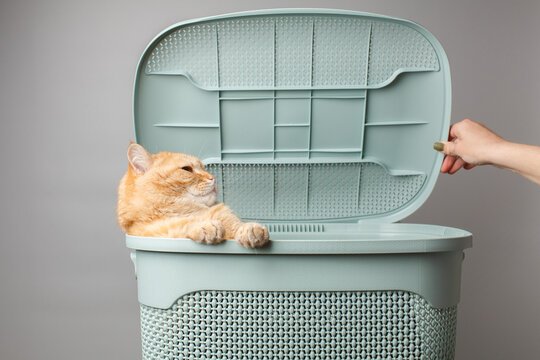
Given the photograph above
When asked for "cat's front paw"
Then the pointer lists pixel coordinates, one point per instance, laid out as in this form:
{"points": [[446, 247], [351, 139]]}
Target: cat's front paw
{"points": [[207, 232], [252, 235]]}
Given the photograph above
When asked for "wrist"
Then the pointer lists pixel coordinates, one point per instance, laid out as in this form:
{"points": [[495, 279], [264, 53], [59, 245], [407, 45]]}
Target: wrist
{"points": [[500, 154]]}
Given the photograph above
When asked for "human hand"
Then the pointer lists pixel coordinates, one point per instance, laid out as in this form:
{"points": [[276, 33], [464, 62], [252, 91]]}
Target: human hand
{"points": [[469, 144]]}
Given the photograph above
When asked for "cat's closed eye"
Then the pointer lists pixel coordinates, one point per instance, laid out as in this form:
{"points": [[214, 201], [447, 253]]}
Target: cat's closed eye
{"points": [[187, 168]]}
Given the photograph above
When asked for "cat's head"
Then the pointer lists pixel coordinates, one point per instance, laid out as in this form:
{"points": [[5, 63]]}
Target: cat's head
{"points": [[172, 177]]}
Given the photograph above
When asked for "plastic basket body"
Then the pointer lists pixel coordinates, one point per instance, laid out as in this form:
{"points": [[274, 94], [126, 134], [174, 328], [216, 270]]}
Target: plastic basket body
{"points": [[318, 123], [299, 325], [383, 296]]}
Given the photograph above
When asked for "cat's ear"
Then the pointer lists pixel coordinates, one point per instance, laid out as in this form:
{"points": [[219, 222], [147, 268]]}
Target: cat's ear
{"points": [[139, 159]]}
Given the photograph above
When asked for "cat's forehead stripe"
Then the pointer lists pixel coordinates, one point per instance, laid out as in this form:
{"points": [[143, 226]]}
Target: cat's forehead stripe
{"points": [[178, 159]]}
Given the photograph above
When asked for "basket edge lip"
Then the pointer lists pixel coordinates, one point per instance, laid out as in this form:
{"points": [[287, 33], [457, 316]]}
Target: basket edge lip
{"points": [[440, 239]]}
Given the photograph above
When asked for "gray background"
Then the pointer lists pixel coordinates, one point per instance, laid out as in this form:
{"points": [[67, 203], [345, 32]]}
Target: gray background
{"points": [[67, 289]]}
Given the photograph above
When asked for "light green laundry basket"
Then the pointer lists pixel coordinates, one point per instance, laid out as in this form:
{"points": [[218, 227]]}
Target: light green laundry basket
{"points": [[318, 123]]}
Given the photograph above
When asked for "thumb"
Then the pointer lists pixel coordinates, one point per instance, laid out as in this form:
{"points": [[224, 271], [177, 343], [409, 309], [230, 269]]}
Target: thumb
{"points": [[447, 147]]}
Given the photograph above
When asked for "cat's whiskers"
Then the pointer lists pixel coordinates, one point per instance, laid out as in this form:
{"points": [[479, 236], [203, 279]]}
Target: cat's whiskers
{"points": [[201, 148]]}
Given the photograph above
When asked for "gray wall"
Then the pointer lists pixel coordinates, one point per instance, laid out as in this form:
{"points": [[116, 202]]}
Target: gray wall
{"points": [[67, 289]]}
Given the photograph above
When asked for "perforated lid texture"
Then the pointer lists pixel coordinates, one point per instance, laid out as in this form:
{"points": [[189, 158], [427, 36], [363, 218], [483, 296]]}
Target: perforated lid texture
{"points": [[301, 114]]}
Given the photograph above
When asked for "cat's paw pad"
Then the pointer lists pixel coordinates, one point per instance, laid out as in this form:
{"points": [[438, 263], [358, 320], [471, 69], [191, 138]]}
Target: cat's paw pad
{"points": [[207, 232], [252, 235]]}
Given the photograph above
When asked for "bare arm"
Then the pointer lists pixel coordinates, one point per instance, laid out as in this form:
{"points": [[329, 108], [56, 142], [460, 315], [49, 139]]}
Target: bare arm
{"points": [[521, 158], [471, 144]]}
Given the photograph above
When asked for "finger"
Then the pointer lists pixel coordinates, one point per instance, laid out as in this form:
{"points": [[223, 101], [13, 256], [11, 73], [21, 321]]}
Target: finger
{"points": [[447, 147], [468, 166], [455, 130], [448, 162], [457, 165]]}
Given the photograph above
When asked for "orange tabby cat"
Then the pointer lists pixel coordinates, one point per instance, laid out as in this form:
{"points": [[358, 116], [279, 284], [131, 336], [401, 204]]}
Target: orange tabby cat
{"points": [[171, 195]]}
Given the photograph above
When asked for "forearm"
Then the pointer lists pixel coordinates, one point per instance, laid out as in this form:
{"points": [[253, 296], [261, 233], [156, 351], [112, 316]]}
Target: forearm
{"points": [[520, 158], [230, 221]]}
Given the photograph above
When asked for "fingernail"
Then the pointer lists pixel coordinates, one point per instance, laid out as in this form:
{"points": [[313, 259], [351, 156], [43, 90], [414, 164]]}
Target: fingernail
{"points": [[439, 146]]}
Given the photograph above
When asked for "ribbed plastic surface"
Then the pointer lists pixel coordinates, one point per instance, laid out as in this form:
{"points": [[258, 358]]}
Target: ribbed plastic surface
{"points": [[299, 325], [296, 228], [312, 191]]}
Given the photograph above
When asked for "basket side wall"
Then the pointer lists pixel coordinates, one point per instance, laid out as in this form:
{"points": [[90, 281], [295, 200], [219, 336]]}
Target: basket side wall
{"points": [[164, 277]]}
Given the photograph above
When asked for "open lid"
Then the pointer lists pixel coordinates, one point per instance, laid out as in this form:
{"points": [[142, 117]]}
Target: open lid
{"points": [[302, 114]]}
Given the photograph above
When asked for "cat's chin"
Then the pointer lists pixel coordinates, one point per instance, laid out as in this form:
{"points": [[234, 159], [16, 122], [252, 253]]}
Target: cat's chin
{"points": [[208, 199]]}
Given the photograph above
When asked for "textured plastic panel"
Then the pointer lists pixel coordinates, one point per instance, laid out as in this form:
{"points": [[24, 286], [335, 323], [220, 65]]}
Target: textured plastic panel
{"points": [[272, 51], [396, 47], [355, 100], [312, 191], [299, 325]]}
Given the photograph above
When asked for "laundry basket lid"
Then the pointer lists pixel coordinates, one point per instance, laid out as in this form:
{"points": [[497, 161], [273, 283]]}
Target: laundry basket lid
{"points": [[302, 114]]}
